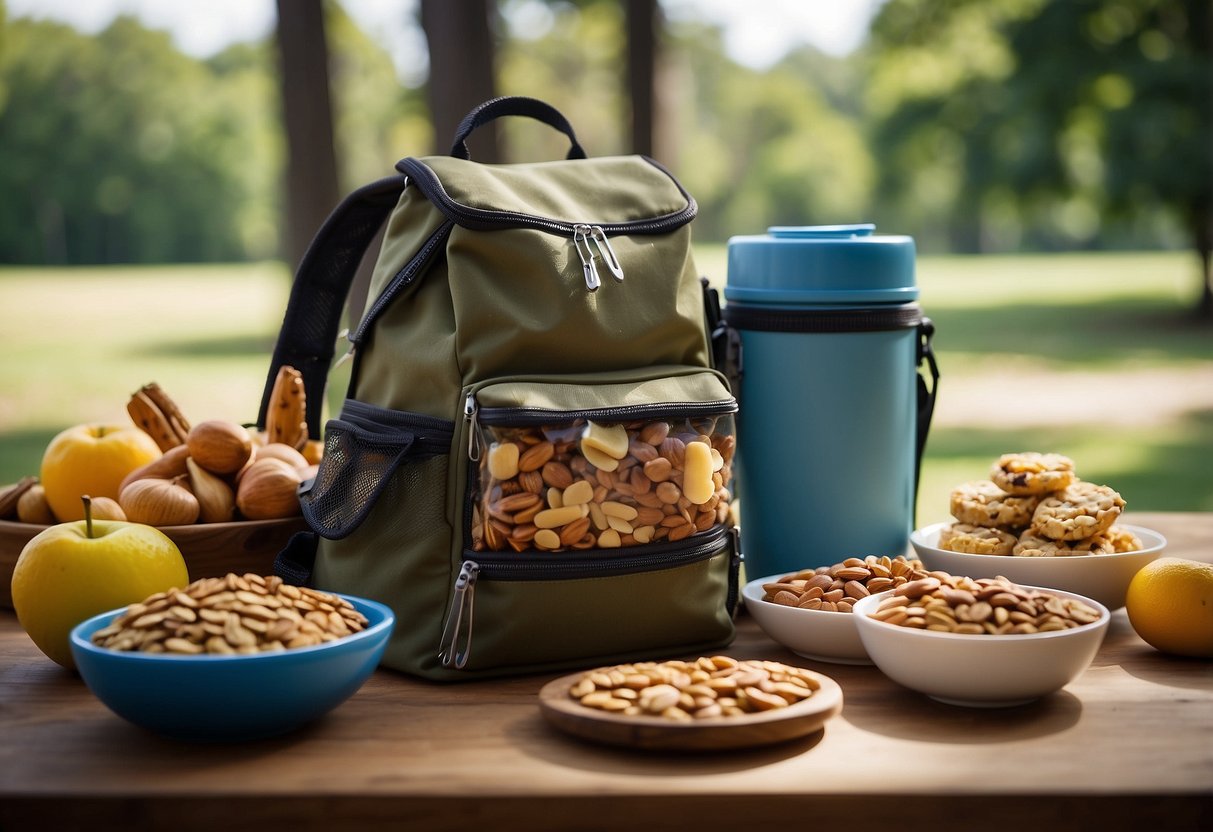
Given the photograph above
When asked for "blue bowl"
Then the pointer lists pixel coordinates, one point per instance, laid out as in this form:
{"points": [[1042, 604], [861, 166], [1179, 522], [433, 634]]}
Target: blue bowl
{"points": [[219, 698]]}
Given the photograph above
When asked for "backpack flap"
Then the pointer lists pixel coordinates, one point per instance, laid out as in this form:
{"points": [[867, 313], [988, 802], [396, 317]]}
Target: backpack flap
{"points": [[567, 266]]}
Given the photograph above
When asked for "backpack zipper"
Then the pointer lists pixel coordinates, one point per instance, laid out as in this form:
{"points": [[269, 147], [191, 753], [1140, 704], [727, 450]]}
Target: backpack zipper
{"points": [[486, 219], [581, 242], [583, 234], [455, 646], [474, 415], [403, 278], [459, 618]]}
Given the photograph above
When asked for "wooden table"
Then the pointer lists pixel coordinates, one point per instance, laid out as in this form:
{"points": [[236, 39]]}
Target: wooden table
{"points": [[1129, 745]]}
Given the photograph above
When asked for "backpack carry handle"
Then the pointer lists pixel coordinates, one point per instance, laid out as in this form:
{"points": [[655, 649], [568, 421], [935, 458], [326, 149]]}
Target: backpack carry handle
{"points": [[513, 105]]}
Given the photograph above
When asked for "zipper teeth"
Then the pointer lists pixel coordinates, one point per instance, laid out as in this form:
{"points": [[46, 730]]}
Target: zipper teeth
{"points": [[513, 416], [628, 560], [434, 190], [403, 278]]}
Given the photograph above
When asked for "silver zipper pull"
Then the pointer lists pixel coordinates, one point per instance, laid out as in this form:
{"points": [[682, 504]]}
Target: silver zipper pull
{"points": [[608, 253], [581, 242], [470, 409], [456, 643]]}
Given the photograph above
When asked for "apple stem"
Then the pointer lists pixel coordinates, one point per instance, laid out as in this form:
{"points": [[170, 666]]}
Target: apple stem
{"points": [[88, 515]]}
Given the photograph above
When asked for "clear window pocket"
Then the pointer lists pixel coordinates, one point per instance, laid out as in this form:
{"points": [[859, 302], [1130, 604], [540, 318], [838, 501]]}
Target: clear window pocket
{"points": [[601, 478]]}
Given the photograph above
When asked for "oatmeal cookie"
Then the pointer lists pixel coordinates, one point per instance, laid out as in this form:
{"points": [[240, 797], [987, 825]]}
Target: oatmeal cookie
{"points": [[1032, 545], [1032, 473], [976, 540], [982, 503], [1082, 510], [1123, 540]]}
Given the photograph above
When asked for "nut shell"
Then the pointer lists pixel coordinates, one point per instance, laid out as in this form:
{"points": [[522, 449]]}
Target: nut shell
{"points": [[32, 507], [216, 502], [159, 502], [277, 450], [170, 464], [268, 490], [103, 508], [219, 446]]}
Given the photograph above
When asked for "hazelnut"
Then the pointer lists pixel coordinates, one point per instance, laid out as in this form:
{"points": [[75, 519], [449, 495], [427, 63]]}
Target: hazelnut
{"points": [[219, 446], [159, 502], [269, 490]]}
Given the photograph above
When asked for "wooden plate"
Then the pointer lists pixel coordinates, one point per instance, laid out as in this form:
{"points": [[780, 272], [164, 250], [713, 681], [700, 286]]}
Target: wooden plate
{"points": [[209, 549], [720, 733]]}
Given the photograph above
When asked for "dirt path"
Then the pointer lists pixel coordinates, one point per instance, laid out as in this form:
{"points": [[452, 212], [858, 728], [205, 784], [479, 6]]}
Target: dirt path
{"points": [[1135, 398]]}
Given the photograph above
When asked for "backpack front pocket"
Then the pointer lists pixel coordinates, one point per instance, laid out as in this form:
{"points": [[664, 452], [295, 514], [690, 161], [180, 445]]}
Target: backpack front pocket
{"points": [[575, 466], [597, 520], [511, 612]]}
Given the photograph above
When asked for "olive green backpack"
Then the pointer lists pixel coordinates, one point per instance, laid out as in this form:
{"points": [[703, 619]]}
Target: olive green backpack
{"points": [[532, 465]]}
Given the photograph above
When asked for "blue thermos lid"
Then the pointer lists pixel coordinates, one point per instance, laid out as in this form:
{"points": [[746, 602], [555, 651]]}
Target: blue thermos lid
{"points": [[821, 264]]}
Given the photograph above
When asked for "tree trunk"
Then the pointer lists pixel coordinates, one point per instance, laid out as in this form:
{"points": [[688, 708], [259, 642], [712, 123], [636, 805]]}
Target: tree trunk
{"points": [[460, 40], [1203, 237], [311, 168], [642, 27]]}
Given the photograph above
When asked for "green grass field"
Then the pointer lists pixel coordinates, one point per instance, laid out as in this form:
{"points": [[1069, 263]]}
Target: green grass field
{"points": [[1095, 356]]}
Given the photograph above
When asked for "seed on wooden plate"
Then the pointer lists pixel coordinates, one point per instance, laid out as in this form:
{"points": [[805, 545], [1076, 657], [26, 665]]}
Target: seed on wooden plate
{"points": [[711, 687]]}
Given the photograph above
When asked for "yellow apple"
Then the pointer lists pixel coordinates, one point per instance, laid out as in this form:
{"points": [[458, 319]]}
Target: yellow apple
{"points": [[93, 460], [73, 571]]}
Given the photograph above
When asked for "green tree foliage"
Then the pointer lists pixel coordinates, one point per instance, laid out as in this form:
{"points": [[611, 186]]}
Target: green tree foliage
{"points": [[586, 83], [765, 148], [971, 124], [1046, 124], [117, 148], [378, 120]]}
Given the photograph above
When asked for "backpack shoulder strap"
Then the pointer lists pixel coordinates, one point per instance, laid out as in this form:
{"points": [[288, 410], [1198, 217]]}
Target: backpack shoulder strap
{"points": [[308, 335]]}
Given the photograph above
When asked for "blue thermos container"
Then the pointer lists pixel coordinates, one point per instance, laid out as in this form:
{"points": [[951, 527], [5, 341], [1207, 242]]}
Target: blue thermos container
{"points": [[834, 412]]}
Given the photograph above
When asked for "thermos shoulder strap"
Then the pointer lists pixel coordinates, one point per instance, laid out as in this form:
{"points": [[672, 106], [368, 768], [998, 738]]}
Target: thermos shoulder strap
{"points": [[926, 400], [308, 335]]}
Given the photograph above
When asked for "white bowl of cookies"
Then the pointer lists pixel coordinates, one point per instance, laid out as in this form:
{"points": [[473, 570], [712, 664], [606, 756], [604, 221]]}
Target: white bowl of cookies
{"points": [[810, 612], [1035, 522]]}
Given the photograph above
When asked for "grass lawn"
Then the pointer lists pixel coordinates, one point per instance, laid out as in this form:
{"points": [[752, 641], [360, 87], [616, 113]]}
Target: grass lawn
{"points": [[1095, 356]]}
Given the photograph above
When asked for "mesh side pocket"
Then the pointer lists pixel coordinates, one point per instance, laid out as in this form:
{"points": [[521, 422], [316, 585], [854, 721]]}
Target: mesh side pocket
{"points": [[358, 464]]}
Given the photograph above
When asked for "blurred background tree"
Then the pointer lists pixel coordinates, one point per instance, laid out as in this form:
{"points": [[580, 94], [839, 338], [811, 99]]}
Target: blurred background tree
{"points": [[975, 125], [1046, 125]]}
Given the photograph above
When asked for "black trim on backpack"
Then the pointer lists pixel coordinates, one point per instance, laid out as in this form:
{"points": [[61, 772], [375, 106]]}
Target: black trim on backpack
{"points": [[307, 338], [296, 560], [486, 219], [513, 105]]}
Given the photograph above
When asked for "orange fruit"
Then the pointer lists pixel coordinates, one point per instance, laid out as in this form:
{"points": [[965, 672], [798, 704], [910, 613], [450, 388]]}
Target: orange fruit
{"points": [[1170, 605], [92, 460]]}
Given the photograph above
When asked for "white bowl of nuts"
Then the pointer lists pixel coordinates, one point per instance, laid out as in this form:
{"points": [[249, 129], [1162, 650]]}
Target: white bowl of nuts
{"points": [[984, 642], [230, 659], [1101, 575], [810, 612]]}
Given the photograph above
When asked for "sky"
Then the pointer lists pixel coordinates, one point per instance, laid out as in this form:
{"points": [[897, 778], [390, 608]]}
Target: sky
{"points": [[757, 32]]}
